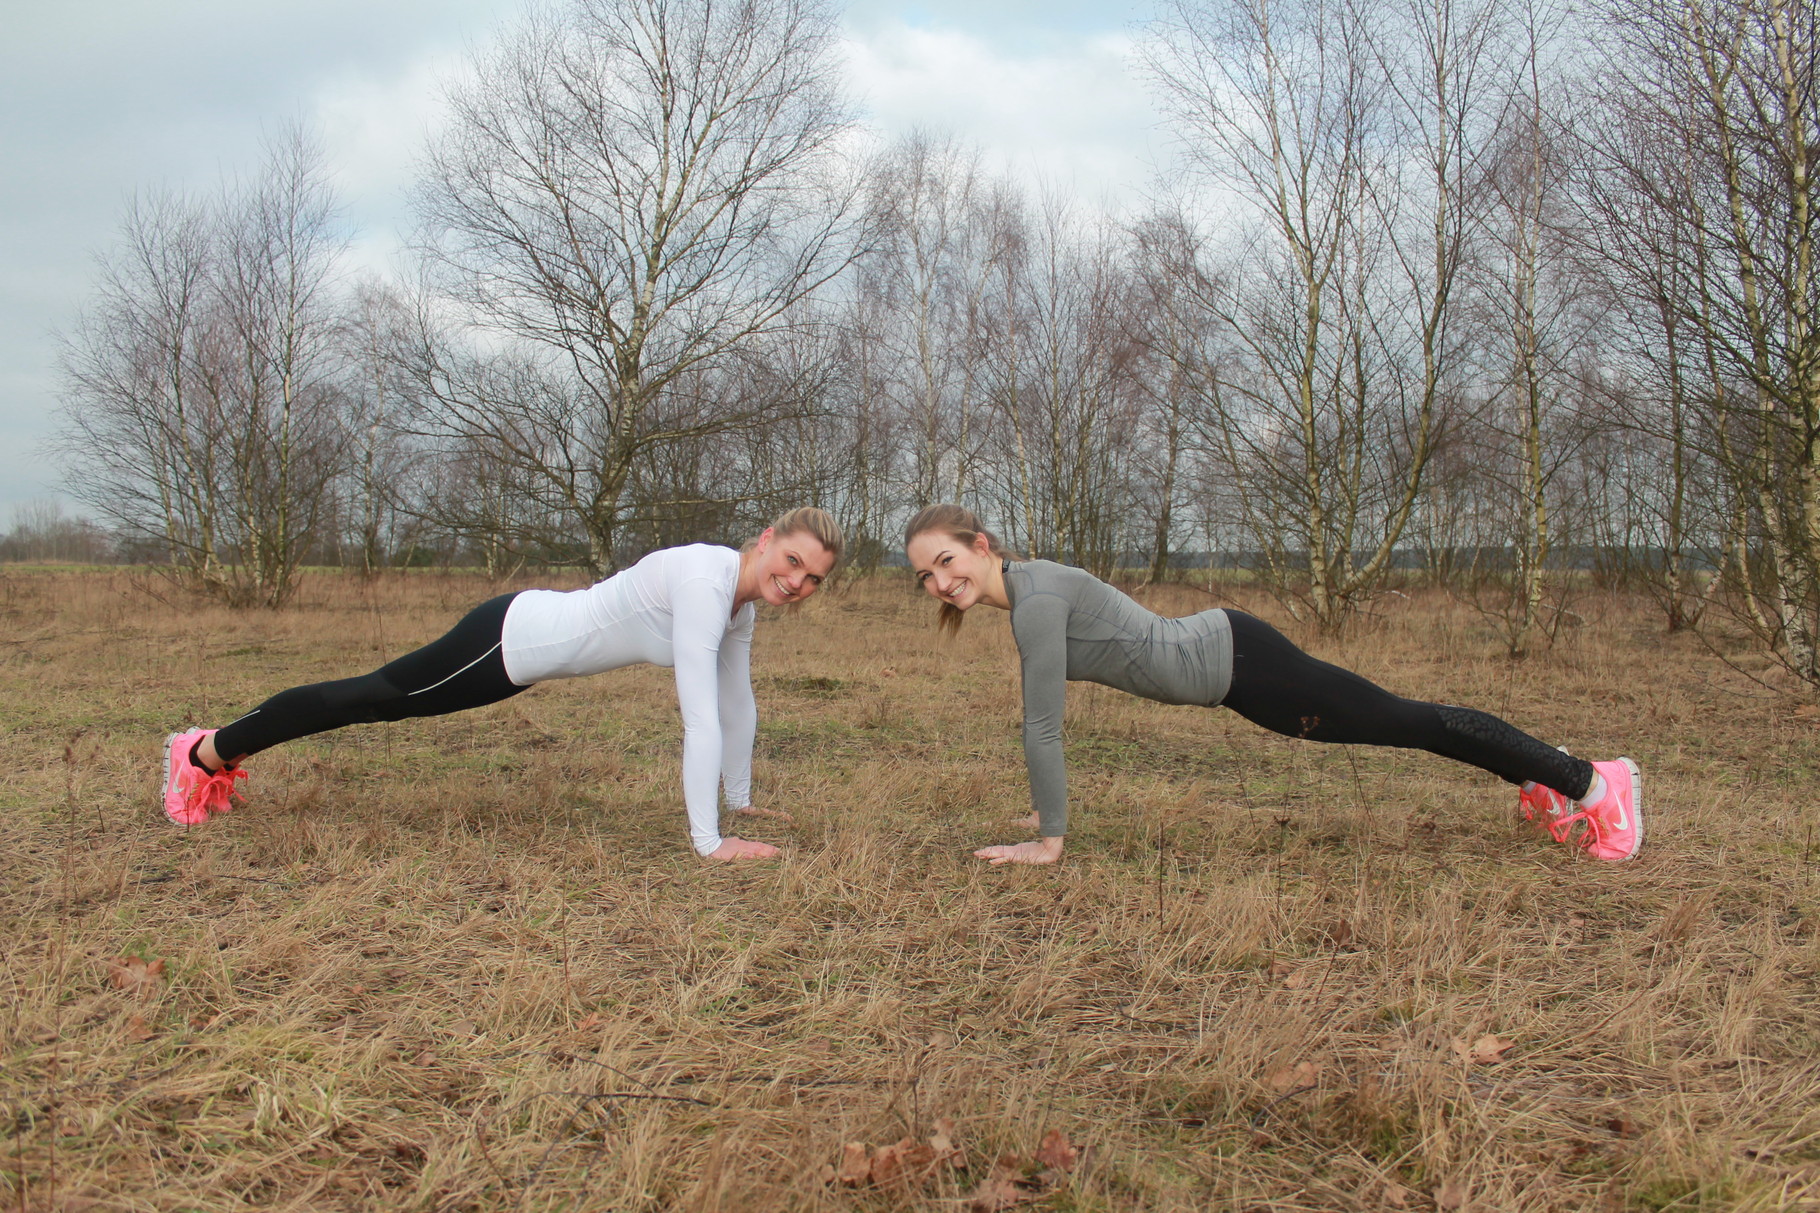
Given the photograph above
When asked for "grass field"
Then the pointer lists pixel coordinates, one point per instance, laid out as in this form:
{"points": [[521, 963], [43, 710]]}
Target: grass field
{"points": [[472, 963]]}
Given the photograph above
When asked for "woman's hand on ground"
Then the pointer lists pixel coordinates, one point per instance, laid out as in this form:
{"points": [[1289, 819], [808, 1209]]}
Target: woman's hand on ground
{"points": [[774, 814], [741, 848], [1043, 850]]}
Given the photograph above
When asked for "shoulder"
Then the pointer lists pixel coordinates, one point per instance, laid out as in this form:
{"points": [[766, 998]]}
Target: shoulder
{"points": [[1042, 595], [1048, 577], [695, 562], [697, 555]]}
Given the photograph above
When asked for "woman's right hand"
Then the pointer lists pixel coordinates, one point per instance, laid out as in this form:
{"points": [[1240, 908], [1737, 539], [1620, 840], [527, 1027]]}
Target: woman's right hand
{"points": [[731, 849]]}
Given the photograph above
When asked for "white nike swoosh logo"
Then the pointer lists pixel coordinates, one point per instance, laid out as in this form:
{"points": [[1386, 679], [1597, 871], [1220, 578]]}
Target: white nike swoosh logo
{"points": [[1623, 817]]}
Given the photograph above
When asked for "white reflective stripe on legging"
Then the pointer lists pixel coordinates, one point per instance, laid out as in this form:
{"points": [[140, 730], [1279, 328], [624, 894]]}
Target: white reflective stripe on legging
{"points": [[458, 673]]}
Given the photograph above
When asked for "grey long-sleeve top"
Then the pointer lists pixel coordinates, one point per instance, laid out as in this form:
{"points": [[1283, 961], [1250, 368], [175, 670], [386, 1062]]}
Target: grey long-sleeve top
{"points": [[1070, 625]]}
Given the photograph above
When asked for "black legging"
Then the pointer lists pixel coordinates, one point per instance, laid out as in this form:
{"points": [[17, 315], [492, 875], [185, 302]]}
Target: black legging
{"points": [[465, 668], [1278, 686]]}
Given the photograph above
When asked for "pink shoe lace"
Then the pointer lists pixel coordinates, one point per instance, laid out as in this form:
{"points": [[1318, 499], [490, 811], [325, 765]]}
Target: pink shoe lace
{"points": [[217, 791], [1545, 807]]}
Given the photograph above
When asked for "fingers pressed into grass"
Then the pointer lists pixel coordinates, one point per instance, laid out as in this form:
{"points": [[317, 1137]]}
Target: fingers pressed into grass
{"points": [[732, 849], [752, 810], [1043, 850]]}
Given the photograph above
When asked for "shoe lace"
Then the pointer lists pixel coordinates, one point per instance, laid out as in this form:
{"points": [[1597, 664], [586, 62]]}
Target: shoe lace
{"points": [[218, 787], [1595, 827]]}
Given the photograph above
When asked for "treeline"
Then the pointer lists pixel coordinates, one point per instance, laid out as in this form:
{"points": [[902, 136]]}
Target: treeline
{"points": [[1485, 281]]}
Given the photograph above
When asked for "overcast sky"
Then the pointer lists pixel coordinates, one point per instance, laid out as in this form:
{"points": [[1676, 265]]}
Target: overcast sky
{"points": [[99, 98]]}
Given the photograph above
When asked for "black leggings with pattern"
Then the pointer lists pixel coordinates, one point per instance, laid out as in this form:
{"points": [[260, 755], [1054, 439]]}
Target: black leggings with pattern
{"points": [[1278, 686]]}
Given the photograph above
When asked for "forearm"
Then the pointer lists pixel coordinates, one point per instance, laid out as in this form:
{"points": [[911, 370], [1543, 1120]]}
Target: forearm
{"points": [[738, 730], [701, 788], [1048, 779]]}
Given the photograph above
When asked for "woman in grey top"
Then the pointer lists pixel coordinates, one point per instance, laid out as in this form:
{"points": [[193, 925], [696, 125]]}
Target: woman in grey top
{"points": [[1069, 625]]}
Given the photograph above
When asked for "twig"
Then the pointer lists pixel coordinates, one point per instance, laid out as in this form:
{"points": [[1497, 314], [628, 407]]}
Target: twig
{"points": [[1257, 1121]]}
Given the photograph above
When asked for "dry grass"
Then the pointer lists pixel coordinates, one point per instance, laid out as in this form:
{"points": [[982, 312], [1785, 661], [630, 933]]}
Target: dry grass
{"points": [[471, 963]]}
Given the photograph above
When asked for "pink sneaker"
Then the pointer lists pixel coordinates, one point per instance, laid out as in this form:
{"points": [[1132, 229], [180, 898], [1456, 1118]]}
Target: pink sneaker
{"points": [[1614, 826], [191, 792], [1545, 806]]}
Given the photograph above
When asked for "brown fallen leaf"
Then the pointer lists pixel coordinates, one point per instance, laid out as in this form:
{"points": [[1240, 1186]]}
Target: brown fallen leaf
{"points": [[1280, 969], [1002, 1188], [1302, 1074], [1485, 1051], [855, 1164], [1623, 1126], [1451, 1195], [137, 1030], [591, 1021], [1056, 1152], [889, 1163], [135, 975], [1339, 932], [464, 1027], [995, 1194], [943, 1144], [1396, 1196]]}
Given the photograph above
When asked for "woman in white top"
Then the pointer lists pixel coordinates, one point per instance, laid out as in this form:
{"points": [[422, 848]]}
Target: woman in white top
{"points": [[687, 607]]}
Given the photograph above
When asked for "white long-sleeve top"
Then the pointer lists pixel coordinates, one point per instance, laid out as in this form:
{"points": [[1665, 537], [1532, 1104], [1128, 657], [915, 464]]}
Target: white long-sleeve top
{"points": [[673, 608]]}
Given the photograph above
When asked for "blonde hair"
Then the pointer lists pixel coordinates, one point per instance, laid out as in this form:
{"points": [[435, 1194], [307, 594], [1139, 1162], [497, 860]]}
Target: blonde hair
{"points": [[813, 521], [964, 525]]}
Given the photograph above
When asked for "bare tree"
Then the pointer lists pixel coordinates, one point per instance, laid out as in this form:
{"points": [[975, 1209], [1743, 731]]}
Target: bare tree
{"points": [[1345, 134], [1707, 128], [1538, 335], [382, 473], [200, 386], [1068, 397], [42, 532], [930, 270], [630, 192], [861, 425], [1181, 359]]}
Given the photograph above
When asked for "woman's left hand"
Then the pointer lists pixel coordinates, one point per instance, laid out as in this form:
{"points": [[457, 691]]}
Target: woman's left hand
{"points": [[1043, 850], [773, 814]]}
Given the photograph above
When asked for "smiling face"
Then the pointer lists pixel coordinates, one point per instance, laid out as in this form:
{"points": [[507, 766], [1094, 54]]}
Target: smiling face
{"points": [[788, 568], [952, 570]]}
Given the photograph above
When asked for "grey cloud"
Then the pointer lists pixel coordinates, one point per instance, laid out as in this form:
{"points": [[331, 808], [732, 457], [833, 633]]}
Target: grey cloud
{"points": [[105, 98]]}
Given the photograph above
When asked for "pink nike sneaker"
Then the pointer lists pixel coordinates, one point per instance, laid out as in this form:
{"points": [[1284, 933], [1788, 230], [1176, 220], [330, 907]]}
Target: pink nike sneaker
{"points": [[1544, 806], [191, 792], [1614, 826]]}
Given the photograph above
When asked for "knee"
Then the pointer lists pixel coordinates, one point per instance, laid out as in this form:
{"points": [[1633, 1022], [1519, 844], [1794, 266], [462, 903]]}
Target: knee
{"points": [[368, 699], [1468, 722]]}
